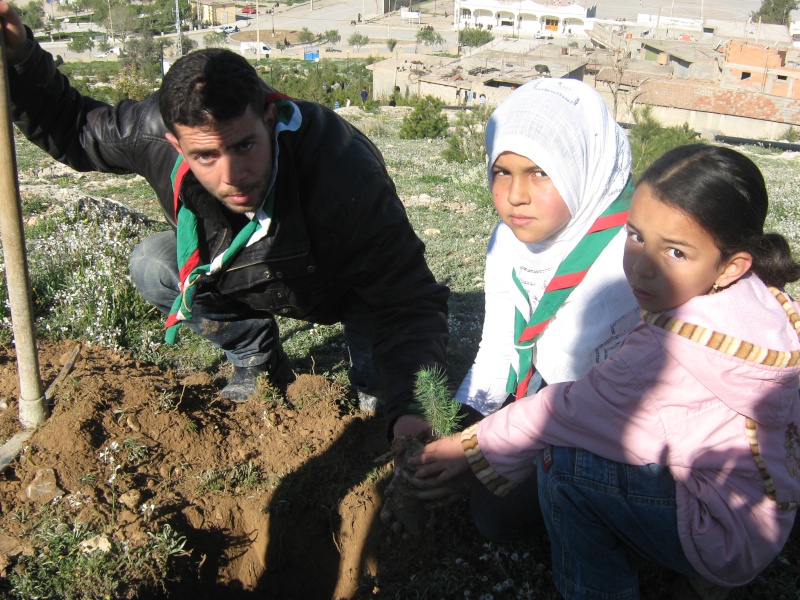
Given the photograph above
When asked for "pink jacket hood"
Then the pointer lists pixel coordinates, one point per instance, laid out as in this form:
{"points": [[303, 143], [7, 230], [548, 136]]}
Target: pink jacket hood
{"points": [[746, 311]]}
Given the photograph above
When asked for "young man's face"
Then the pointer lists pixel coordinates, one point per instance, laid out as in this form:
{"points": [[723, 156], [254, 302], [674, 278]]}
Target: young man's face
{"points": [[231, 159]]}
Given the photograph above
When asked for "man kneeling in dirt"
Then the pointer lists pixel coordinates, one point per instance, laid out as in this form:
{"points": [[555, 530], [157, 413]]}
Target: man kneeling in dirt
{"points": [[280, 207]]}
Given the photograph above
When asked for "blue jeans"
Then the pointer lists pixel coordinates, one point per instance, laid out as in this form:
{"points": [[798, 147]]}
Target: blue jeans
{"points": [[507, 519], [248, 337], [602, 518]]}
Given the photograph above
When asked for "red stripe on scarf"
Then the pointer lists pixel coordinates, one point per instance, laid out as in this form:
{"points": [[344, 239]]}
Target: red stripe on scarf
{"points": [[609, 221], [188, 267], [531, 332], [565, 281], [275, 96], [183, 169], [522, 387]]}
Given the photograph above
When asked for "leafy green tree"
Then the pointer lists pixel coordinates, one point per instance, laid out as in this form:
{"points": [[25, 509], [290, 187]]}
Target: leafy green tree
{"points": [[650, 139], [391, 44], [472, 37], [306, 36], [332, 36], [52, 26], [32, 14], [465, 143], [80, 6], [125, 18], [430, 37], [99, 9], [161, 14], [215, 39], [80, 44], [775, 11], [144, 55], [187, 43], [133, 83], [357, 40], [425, 121]]}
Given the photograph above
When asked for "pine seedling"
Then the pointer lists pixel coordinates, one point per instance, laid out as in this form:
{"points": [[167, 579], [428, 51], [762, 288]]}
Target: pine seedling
{"points": [[439, 408]]}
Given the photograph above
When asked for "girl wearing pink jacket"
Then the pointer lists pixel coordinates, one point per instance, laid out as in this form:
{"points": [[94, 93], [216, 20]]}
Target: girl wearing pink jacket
{"points": [[682, 448]]}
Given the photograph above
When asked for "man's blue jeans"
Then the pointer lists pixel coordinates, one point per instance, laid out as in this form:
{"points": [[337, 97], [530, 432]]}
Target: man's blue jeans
{"points": [[249, 338], [602, 518]]}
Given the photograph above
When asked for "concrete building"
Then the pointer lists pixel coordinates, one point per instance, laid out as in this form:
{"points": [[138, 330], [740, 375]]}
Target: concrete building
{"points": [[494, 70], [522, 17], [766, 69], [214, 12]]}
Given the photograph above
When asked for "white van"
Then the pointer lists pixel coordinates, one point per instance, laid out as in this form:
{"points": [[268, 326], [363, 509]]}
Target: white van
{"points": [[252, 47]]}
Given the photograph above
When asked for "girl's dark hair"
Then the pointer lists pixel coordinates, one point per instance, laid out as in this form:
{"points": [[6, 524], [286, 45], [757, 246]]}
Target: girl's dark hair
{"points": [[207, 86], [724, 192]]}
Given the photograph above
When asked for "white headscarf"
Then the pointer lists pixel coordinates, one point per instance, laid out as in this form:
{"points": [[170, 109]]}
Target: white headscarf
{"points": [[565, 128]]}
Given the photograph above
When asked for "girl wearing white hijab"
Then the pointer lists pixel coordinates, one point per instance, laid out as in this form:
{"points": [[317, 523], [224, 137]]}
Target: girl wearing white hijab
{"points": [[559, 165]]}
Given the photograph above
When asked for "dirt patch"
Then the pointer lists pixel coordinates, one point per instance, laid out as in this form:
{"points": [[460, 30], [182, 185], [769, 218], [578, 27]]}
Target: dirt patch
{"points": [[279, 498]]}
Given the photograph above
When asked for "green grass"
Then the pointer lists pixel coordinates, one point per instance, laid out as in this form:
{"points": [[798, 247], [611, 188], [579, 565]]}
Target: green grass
{"points": [[75, 560]]}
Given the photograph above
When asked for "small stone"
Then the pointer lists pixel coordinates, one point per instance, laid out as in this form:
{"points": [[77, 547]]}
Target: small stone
{"points": [[131, 499], [133, 423], [43, 488], [97, 542]]}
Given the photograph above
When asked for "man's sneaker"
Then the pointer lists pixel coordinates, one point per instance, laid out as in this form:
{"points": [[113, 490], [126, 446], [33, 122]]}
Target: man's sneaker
{"points": [[244, 382]]}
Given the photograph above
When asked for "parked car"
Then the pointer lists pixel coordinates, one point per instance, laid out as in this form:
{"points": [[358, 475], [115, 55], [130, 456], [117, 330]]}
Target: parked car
{"points": [[115, 50], [543, 35], [245, 47], [228, 29], [249, 10]]}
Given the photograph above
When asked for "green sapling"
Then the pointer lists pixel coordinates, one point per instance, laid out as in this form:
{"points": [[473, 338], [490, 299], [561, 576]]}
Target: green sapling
{"points": [[436, 402]]}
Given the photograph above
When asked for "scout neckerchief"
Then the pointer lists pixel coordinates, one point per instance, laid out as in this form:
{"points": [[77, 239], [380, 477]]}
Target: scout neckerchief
{"points": [[190, 271], [572, 270]]}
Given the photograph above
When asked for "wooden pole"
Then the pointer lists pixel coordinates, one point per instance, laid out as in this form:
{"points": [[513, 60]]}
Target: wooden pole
{"points": [[32, 405]]}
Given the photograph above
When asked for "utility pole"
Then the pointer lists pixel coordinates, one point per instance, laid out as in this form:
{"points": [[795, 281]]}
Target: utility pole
{"points": [[179, 46], [658, 21], [258, 35]]}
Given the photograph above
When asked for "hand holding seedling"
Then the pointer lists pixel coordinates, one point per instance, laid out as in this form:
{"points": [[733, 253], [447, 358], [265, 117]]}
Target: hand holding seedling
{"points": [[441, 471], [404, 502]]}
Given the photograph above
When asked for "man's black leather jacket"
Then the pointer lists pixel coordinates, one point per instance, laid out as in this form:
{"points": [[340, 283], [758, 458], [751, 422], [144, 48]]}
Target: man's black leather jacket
{"points": [[338, 229]]}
